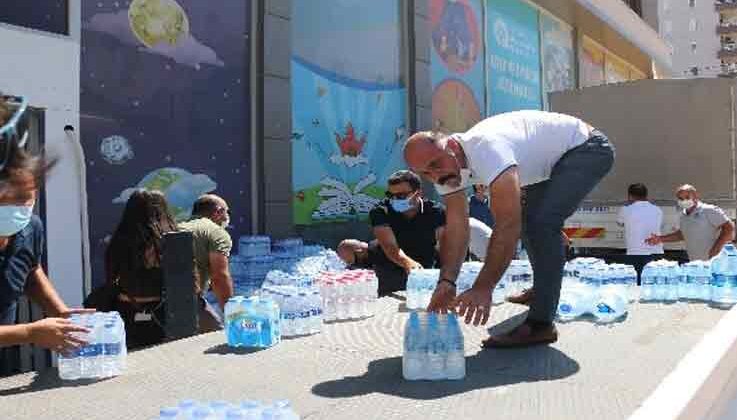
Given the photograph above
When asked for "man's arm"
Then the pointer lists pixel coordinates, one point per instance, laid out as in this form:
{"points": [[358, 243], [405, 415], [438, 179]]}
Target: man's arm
{"points": [[508, 214], [439, 237], [220, 280], [41, 291], [676, 236], [454, 242], [388, 242], [726, 235]]}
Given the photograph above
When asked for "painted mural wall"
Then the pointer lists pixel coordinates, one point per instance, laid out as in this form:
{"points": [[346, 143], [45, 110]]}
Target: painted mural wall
{"points": [[165, 105], [513, 58], [559, 58], [457, 64], [348, 107]]}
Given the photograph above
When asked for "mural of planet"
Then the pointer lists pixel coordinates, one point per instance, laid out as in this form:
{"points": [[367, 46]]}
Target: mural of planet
{"points": [[157, 21], [180, 187], [116, 150], [454, 108], [455, 34]]}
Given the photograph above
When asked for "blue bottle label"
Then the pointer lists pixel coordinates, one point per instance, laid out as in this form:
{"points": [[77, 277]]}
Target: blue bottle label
{"points": [[603, 308]]}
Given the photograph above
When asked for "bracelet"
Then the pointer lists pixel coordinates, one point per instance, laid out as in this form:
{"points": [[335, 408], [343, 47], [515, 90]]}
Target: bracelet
{"points": [[452, 283]]}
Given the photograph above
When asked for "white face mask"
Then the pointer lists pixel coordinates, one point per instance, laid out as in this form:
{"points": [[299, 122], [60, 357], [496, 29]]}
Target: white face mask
{"points": [[451, 187], [686, 204]]}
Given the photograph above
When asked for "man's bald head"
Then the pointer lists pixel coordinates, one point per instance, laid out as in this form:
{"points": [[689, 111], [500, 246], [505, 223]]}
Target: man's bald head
{"points": [[430, 155], [209, 205]]}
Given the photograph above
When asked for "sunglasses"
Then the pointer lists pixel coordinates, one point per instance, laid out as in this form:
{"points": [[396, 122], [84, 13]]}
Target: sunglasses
{"points": [[400, 196], [14, 134]]}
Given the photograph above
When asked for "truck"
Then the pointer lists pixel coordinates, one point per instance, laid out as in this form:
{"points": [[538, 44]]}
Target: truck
{"points": [[667, 132]]}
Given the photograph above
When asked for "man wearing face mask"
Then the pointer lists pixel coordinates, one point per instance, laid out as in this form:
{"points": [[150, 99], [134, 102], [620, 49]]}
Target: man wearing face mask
{"points": [[704, 227], [212, 246], [406, 226], [557, 159], [22, 246], [392, 277]]}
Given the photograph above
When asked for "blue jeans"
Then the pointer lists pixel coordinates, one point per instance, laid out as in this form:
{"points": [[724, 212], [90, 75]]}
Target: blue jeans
{"points": [[547, 205]]}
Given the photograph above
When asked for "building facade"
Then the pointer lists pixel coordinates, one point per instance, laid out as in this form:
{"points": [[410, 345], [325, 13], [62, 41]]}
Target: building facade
{"points": [[294, 111], [692, 29]]}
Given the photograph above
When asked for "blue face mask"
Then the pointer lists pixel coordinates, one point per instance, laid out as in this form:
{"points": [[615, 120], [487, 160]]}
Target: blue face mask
{"points": [[14, 218], [401, 205]]}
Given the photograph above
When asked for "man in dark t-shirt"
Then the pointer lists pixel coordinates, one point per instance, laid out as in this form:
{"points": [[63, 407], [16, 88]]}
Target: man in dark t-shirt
{"points": [[406, 226], [362, 255]]}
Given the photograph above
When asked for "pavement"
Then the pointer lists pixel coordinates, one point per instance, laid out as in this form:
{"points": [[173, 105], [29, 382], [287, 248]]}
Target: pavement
{"points": [[352, 370]]}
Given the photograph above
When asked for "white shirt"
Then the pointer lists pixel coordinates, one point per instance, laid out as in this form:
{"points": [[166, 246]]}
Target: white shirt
{"points": [[533, 141], [641, 219], [479, 235]]}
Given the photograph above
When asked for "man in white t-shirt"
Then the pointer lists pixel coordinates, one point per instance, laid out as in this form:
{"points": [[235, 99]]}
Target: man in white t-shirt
{"points": [[641, 219], [557, 159]]}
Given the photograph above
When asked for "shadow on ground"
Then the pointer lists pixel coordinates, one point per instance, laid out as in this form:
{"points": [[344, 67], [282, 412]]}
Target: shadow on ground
{"points": [[485, 369], [49, 379]]}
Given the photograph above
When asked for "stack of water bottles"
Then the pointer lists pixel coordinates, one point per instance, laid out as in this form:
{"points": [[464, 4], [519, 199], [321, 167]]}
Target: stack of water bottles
{"points": [[724, 277], [300, 307], [249, 267], [433, 348], [592, 287], [661, 281], [104, 355], [712, 281], [421, 283], [223, 410], [420, 286], [252, 322], [257, 256], [350, 294]]}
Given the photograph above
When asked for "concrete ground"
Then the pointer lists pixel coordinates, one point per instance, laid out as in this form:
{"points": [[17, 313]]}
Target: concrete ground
{"points": [[352, 370]]}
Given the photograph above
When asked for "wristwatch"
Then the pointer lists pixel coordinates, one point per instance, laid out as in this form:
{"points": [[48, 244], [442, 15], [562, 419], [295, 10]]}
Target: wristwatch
{"points": [[452, 283]]}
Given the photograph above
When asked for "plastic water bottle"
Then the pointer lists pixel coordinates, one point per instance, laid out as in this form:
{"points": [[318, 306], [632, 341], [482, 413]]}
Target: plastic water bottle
{"points": [[168, 413], [253, 246], [673, 280], [611, 305], [219, 408], [574, 301], [702, 280], [315, 312], [288, 316], [648, 281], [284, 410], [437, 349], [234, 414], [724, 277], [412, 362], [111, 350], [456, 360], [251, 409], [103, 355]]}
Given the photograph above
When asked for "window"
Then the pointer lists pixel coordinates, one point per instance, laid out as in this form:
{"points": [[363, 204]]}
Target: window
{"points": [[666, 5], [668, 27], [43, 15], [693, 47], [693, 25], [691, 3]]}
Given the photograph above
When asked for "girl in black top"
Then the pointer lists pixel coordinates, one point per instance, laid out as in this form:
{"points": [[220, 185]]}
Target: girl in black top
{"points": [[133, 263]]}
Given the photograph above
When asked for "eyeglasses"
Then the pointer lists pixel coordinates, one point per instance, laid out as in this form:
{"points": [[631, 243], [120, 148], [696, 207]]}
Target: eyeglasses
{"points": [[14, 133], [401, 195]]}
